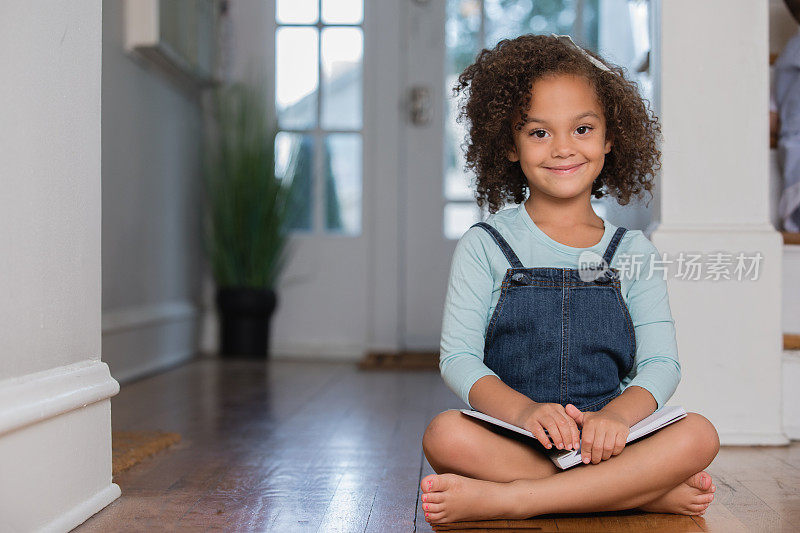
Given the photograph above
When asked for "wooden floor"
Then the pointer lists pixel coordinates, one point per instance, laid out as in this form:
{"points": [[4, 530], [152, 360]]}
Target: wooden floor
{"points": [[301, 446]]}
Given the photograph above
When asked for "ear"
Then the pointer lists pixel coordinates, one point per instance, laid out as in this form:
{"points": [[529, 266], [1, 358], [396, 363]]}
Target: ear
{"points": [[512, 155], [608, 145]]}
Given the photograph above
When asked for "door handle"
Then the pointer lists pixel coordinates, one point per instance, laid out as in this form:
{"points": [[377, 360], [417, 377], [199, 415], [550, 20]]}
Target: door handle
{"points": [[420, 105]]}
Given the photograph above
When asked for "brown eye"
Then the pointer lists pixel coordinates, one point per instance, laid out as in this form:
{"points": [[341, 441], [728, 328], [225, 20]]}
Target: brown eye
{"points": [[539, 134], [585, 129]]}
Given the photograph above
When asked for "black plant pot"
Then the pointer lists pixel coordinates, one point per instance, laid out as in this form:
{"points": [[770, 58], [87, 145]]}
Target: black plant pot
{"points": [[245, 314]]}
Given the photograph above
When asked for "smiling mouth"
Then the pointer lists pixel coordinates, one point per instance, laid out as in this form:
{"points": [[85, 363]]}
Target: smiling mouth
{"points": [[567, 169]]}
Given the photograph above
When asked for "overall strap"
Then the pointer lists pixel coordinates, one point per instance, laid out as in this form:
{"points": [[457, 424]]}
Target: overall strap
{"points": [[612, 246], [501, 242]]}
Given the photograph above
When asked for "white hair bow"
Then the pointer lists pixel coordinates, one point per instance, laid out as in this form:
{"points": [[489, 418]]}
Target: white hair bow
{"points": [[567, 40]]}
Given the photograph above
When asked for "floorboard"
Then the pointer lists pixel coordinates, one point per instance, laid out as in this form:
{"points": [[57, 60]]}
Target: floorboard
{"points": [[315, 446]]}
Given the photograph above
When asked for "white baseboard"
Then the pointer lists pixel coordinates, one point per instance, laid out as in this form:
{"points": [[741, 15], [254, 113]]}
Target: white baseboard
{"points": [[318, 350], [141, 340], [76, 516], [36, 397], [115, 320], [55, 447], [745, 438], [792, 431]]}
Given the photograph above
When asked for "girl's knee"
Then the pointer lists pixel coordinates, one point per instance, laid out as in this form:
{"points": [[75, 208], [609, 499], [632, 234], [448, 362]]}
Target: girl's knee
{"points": [[445, 436], [701, 436], [441, 429]]}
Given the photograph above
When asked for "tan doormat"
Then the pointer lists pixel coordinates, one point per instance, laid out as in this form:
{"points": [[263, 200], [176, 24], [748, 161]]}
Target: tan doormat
{"points": [[131, 447]]}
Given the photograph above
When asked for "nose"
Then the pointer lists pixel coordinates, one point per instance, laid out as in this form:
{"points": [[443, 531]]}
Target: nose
{"points": [[562, 146]]}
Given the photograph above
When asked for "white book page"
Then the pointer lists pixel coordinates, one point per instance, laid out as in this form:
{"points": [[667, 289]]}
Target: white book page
{"points": [[657, 420]]}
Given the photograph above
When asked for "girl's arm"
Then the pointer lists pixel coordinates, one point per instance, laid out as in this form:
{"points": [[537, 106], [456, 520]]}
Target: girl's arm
{"points": [[656, 371], [491, 396], [469, 297], [466, 308], [634, 404]]}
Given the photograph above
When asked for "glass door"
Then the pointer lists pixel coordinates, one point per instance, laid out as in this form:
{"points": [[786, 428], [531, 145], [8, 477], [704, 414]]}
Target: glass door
{"points": [[442, 38]]}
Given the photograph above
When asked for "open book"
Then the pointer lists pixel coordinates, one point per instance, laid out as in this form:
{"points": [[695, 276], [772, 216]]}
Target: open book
{"points": [[567, 458]]}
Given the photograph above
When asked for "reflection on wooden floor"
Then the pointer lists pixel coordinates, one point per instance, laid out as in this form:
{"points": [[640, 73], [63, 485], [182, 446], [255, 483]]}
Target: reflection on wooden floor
{"points": [[304, 446]]}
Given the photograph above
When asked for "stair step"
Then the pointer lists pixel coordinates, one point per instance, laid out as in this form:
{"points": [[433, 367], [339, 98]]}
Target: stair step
{"points": [[790, 238], [791, 341]]}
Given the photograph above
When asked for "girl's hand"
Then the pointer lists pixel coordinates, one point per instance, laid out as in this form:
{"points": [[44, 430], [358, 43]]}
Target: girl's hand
{"points": [[563, 430], [604, 433]]}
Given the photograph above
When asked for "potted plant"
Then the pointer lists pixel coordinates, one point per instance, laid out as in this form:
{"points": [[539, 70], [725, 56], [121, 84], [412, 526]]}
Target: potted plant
{"points": [[246, 210]]}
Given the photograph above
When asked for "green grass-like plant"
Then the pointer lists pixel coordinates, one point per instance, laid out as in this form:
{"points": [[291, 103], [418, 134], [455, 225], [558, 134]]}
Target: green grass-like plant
{"points": [[246, 205]]}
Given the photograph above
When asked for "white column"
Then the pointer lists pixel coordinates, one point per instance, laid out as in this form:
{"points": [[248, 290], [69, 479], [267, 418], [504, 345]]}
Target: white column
{"points": [[713, 68], [55, 413]]}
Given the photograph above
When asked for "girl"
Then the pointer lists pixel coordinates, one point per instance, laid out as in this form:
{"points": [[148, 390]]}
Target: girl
{"points": [[529, 338]]}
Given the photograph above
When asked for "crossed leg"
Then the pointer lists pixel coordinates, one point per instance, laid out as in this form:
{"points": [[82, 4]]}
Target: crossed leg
{"points": [[483, 474]]}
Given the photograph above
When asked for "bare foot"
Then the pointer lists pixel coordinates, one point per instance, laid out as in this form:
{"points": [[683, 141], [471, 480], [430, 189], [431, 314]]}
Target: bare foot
{"points": [[692, 497], [452, 498]]}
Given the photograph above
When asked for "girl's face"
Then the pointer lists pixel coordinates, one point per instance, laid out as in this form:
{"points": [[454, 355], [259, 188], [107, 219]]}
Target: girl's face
{"points": [[562, 147]]}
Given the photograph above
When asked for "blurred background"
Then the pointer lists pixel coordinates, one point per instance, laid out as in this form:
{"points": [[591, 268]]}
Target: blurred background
{"points": [[367, 137]]}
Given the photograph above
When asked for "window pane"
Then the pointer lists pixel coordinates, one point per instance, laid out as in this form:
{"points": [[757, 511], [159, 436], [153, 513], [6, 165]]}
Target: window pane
{"points": [[640, 37], [457, 184], [458, 218], [342, 11], [342, 173], [342, 50], [511, 18], [294, 156], [462, 33], [462, 37], [296, 77], [296, 12]]}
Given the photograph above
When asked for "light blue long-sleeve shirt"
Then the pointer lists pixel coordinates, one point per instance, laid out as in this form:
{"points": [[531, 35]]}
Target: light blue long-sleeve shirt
{"points": [[476, 275]]}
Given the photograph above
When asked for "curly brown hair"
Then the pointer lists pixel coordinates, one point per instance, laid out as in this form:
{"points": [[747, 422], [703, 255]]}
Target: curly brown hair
{"points": [[500, 82]]}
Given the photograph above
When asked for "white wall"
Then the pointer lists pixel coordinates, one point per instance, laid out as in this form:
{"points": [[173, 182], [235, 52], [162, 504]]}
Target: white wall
{"points": [[50, 167], [151, 210], [55, 423], [715, 198]]}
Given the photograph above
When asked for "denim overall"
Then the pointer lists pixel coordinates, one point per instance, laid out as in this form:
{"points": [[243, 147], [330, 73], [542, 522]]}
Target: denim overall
{"points": [[556, 338]]}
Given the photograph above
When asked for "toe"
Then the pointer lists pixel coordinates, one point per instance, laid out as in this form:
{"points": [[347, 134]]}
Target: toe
{"points": [[433, 507], [438, 482], [698, 507], [694, 509], [433, 497], [701, 480], [434, 518], [427, 482], [704, 498]]}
